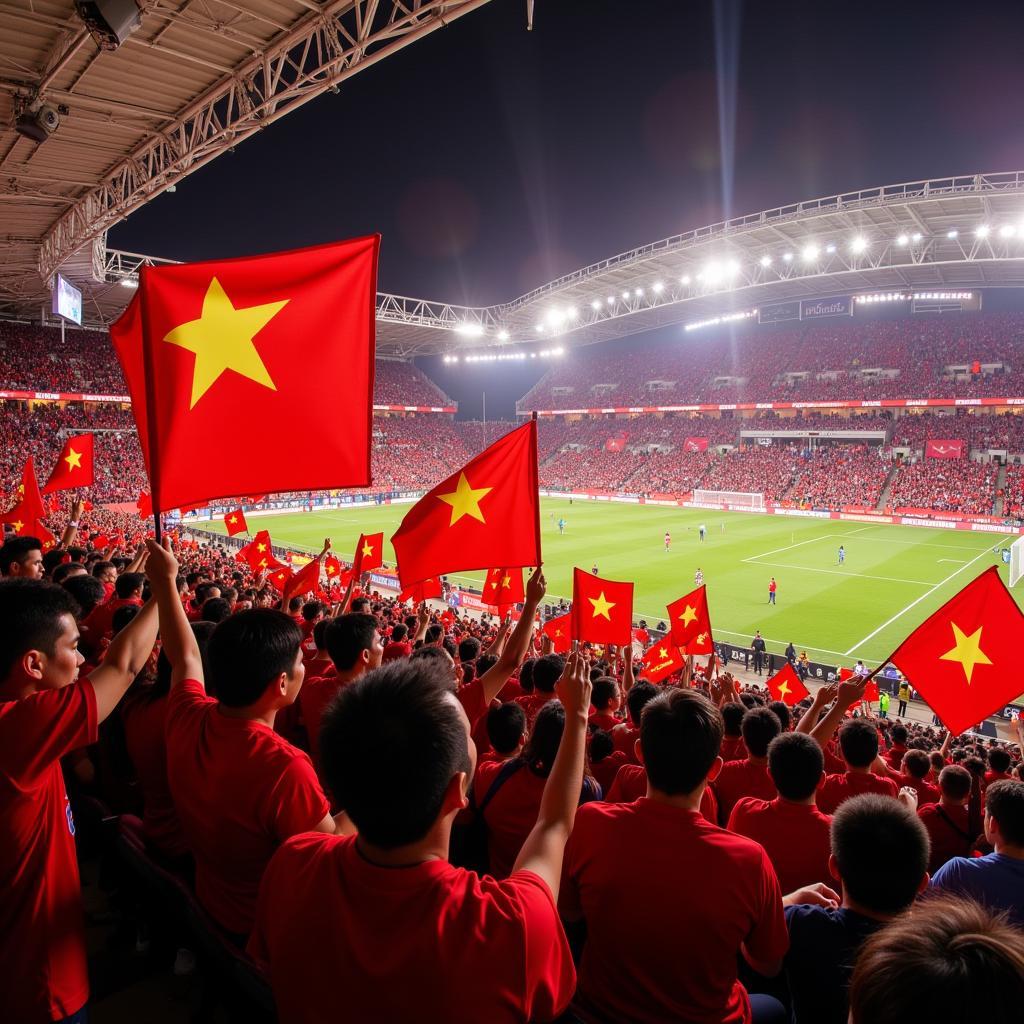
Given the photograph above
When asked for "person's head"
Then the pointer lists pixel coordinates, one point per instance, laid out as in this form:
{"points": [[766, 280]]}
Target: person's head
{"points": [[87, 592], [872, 830], [601, 746], [255, 659], [399, 632], [312, 611], [360, 606], [66, 570], [917, 764], [937, 761], [781, 711], [353, 642], [1004, 814], [122, 617], [999, 759], [641, 694], [899, 734], [105, 572], [955, 783], [129, 585], [294, 605], [469, 648], [162, 683], [39, 639], [526, 675], [759, 727], [396, 751], [545, 737], [858, 740], [22, 557], [732, 717], [680, 737], [546, 673], [949, 959], [796, 765], [605, 694], [506, 728], [216, 609]]}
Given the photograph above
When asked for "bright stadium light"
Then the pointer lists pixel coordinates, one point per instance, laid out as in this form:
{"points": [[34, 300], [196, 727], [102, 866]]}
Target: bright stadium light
{"points": [[685, 279], [502, 335], [1007, 231], [982, 231], [625, 294], [129, 282], [859, 244], [952, 234], [657, 287], [469, 330], [713, 272], [611, 300], [916, 236], [830, 248], [540, 328], [638, 292], [810, 253], [766, 261], [596, 304], [555, 317], [902, 240], [788, 257], [732, 268], [571, 312]]}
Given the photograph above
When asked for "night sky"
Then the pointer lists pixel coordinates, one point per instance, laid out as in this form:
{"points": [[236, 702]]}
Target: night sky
{"points": [[492, 159]]}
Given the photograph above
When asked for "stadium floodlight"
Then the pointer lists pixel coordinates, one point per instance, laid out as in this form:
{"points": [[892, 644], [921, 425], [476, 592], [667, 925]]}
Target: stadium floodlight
{"points": [[638, 292], [766, 261], [830, 248], [469, 329], [1007, 231], [596, 304], [555, 317], [732, 268], [571, 312], [713, 272], [540, 328], [859, 244], [981, 231], [611, 300], [916, 236], [502, 335], [788, 257], [625, 294], [902, 240], [810, 253], [129, 282], [657, 287], [685, 279], [952, 234]]}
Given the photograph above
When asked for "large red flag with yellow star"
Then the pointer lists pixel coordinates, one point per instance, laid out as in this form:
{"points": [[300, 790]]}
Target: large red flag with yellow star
{"points": [[787, 686], [504, 588], [661, 659], [488, 513], [204, 344], [690, 622], [234, 522], [74, 467], [422, 590], [560, 631], [26, 514], [369, 553], [964, 658], [602, 610]]}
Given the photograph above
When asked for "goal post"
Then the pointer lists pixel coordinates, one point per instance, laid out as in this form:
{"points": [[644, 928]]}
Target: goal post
{"points": [[1016, 561], [734, 499]]}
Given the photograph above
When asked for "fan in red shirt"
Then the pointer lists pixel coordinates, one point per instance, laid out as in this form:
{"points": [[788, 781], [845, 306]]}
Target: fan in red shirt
{"points": [[639, 931], [733, 747], [382, 920], [898, 748], [631, 784], [46, 711], [607, 699], [916, 766], [626, 734], [546, 671], [127, 594], [605, 760], [353, 642], [750, 777], [398, 645], [240, 789], [947, 820], [794, 833], [999, 762]]}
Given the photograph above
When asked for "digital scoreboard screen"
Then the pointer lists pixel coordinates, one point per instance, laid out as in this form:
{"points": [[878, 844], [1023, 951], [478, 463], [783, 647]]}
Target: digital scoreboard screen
{"points": [[67, 300]]}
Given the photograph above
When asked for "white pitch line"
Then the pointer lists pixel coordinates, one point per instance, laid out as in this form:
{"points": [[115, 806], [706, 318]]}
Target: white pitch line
{"points": [[789, 547], [850, 533], [917, 601], [849, 575], [954, 560]]}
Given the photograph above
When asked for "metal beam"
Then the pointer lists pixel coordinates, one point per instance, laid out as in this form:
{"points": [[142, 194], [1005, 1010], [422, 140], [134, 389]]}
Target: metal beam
{"points": [[325, 47]]}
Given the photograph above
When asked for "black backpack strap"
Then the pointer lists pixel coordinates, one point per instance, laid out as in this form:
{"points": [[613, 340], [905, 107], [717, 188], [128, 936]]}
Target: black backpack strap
{"points": [[508, 769], [952, 824]]}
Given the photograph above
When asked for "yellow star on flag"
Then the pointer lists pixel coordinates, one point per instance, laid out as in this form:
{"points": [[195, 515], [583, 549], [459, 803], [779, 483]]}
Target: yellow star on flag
{"points": [[602, 606], [783, 689], [18, 525], [222, 339], [367, 550], [506, 582], [73, 459], [465, 500], [233, 520], [689, 614], [967, 651], [663, 652], [261, 547]]}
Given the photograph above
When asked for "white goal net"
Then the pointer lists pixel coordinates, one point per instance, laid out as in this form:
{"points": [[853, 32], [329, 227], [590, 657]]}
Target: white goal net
{"points": [[735, 499], [1016, 561]]}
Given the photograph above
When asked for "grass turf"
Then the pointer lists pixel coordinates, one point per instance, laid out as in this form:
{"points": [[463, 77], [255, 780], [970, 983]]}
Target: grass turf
{"points": [[892, 579]]}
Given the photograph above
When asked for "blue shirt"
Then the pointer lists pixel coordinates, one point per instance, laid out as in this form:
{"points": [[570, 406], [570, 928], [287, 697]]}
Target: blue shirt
{"points": [[823, 947], [997, 881]]}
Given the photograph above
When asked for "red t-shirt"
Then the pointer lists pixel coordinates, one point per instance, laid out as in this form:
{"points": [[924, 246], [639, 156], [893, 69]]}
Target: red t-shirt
{"points": [[145, 724], [795, 837], [314, 697], [739, 779], [510, 692], [947, 841], [605, 720], [624, 736], [471, 697], [531, 703], [733, 749], [43, 973], [631, 784], [837, 788], [396, 649], [605, 771], [926, 792], [994, 776], [895, 755], [241, 790], [432, 942], [658, 952]]}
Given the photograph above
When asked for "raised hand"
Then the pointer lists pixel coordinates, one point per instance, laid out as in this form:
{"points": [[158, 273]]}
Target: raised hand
{"points": [[574, 687], [536, 587]]}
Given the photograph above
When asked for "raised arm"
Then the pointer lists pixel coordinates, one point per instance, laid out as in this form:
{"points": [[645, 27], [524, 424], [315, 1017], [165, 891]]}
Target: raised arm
{"points": [[850, 692], [71, 530], [518, 643], [542, 852], [422, 621], [126, 657], [179, 642], [497, 644], [628, 678], [824, 696]]}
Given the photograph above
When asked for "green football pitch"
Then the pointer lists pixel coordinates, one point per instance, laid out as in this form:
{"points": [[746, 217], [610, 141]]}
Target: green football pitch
{"points": [[893, 577]]}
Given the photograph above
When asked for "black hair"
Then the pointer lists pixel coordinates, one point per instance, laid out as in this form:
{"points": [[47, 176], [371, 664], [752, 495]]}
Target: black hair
{"points": [[999, 759], [1004, 801], [434, 633], [122, 617], [869, 830], [399, 632], [32, 614], [526, 675], [955, 782], [732, 716], [545, 738], [781, 711], [64, 570], [101, 567], [360, 606], [127, 583], [319, 631], [760, 726], [485, 663], [605, 689], [858, 740], [546, 672], [162, 682], [248, 651], [311, 609], [390, 744], [51, 559], [469, 648], [506, 723], [680, 736], [347, 636], [899, 734], [17, 549], [216, 609], [639, 696], [796, 765], [87, 592], [916, 763], [601, 746]]}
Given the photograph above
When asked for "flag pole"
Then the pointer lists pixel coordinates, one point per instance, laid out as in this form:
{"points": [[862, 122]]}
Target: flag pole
{"points": [[535, 466], [150, 382]]}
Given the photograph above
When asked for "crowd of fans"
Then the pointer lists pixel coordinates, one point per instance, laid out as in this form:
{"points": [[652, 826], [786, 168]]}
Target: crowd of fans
{"points": [[945, 485], [834, 477], [429, 816]]}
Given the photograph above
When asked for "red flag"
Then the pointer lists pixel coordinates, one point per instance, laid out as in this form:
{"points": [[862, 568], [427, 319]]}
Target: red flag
{"points": [[369, 553], [448, 618], [199, 342], [602, 610], [871, 691], [560, 631], [258, 554], [963, 659], [845, 673], [690, 622], [144, 505], [74, 466], [504, 587], [488, 513], [332, 567], [424, 590], [49, 541], [695, 444], [305, 580], [944, 449], [661, 659], [279, 578], [787, 686], [29, 509], [235, 522], [101, 541]]}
